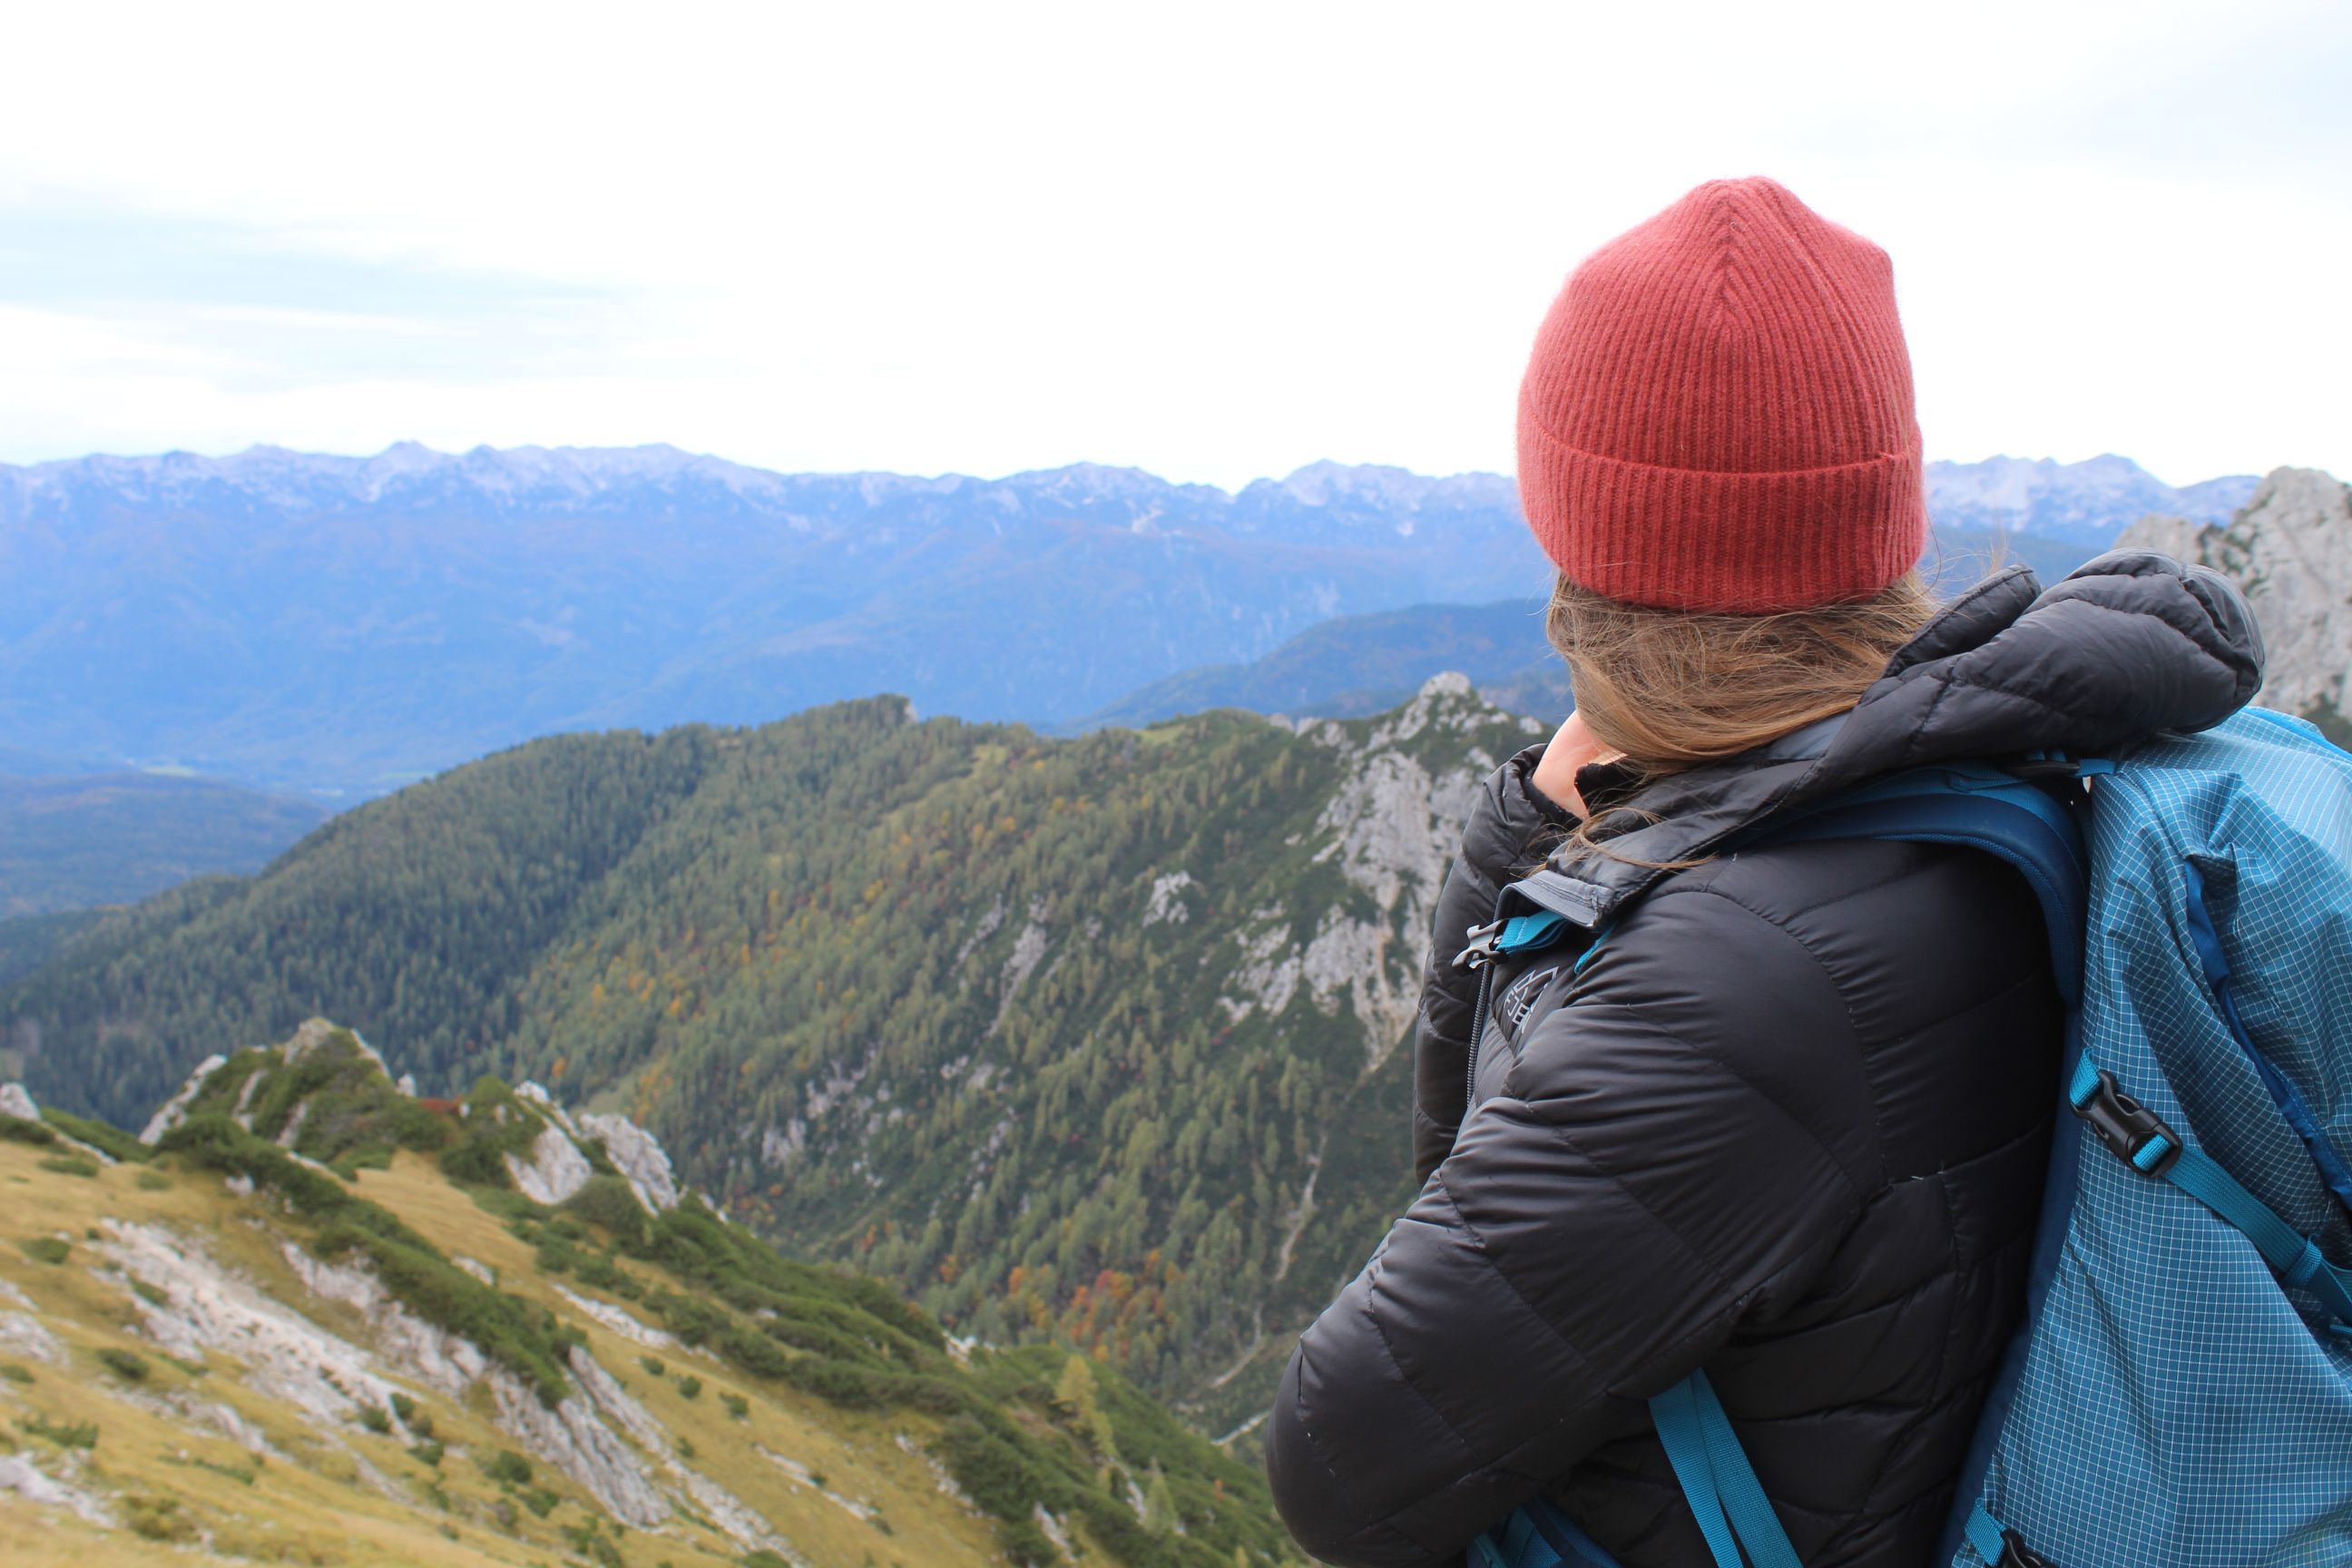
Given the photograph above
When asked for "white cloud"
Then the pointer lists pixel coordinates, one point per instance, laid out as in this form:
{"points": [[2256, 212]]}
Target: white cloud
{"points": [[1215, 241]]}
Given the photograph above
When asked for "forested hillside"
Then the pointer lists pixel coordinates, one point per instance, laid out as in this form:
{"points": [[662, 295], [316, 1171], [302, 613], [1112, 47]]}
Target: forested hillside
{"points": [[1091, 1039], [309, 1317]]}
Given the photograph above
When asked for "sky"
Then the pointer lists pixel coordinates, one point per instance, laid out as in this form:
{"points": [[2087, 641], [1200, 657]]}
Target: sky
{"points": [[1215, 241]]}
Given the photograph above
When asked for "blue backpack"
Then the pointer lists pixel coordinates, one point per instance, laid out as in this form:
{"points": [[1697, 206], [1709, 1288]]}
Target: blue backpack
{"points": [[2180, 1392]]}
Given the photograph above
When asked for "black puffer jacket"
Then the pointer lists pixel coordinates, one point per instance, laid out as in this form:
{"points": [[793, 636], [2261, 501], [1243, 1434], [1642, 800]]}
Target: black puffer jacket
{"points": [[1789, 1122]]}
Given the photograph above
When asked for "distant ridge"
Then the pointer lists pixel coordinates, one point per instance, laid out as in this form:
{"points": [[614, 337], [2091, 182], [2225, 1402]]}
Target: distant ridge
{"points": [[340, 626], [2034, 495]]}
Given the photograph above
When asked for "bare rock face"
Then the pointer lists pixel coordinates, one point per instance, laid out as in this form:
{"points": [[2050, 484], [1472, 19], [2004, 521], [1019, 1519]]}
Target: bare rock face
{"points": [[15, 1101], [2290, 548], [556, 1169], [638, 1155], [175, 1109]]}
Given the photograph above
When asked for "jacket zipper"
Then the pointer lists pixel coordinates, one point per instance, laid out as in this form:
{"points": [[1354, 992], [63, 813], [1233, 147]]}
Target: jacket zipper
{"points": [[1477, 1035], [1478, 934]]}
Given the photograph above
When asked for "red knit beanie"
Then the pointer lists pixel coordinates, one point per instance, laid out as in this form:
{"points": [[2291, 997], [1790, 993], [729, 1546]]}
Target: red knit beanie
{"points": [[1717, 415]]}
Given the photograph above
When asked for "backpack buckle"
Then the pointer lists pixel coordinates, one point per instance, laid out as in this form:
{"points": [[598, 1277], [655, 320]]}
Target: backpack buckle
{"points": [[2137, 1135], [2015, 1553], [1482, 949]]}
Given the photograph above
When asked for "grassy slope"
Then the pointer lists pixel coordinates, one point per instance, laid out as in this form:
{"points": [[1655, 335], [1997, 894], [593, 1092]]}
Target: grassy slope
{"points": [[311, 1500], [312, 1505]]}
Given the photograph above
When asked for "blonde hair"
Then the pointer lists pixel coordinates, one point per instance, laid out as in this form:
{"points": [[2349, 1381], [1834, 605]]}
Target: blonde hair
{"points": [[1672, 690]]}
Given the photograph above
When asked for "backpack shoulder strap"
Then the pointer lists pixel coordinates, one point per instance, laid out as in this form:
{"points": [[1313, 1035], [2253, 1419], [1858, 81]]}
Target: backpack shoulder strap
{"points": [[1984, 808]]}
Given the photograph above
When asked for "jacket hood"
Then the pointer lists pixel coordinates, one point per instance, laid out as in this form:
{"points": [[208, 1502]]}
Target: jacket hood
{"points": [[2131, 645]]}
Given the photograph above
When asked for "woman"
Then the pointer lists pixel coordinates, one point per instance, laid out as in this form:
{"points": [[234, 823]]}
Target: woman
{"points": [[1789, 1121]]}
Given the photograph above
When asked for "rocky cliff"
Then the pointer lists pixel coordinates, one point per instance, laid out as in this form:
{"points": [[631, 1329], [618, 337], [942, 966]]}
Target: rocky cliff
{"points": [[2290, 547]]}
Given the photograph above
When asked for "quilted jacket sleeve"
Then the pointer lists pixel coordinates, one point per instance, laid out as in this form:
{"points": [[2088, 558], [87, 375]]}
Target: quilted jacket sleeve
{"points": [[1666, 1160], [1508, 833]]}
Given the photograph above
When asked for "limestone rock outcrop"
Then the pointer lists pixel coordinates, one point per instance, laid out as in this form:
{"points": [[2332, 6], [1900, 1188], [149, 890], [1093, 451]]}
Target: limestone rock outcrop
{"points": [[2290, 548]]}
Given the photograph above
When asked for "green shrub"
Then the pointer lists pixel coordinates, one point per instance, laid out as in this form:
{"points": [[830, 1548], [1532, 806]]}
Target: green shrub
{"points": [[70, 1165], [18, 1129], [372, 1157], [403, 1407], [154, 1181], [654, 1366], [47, 1249], [691, 1319], [541, 1501], [596, 1270], [595, 1546], [690, 1387], [373, 1418], [476, 1162], [124, 1365], [15, 1371], [496, 1124], [835, 1382], [610, 1202], [427, 1453], [104, 1136], [755, 1353], [74, 1435], [737, 1406], [508, 1468], [158, 1519]]}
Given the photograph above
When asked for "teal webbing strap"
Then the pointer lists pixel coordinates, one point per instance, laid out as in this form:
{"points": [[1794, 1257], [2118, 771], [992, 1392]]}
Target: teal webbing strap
{"points": [[1676, 1412], [1983, 1532], [1725, 1496], [1750, 1511], [1521, 931], [2293, 1255]]}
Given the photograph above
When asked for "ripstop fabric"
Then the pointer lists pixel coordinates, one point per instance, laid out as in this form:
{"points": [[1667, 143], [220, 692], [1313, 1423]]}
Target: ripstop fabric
{"points": [[2179, 1403]]}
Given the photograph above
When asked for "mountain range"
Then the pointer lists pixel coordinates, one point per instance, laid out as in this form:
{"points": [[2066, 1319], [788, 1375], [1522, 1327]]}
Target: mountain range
{"points": [[337, 626], [307, 1317]]}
